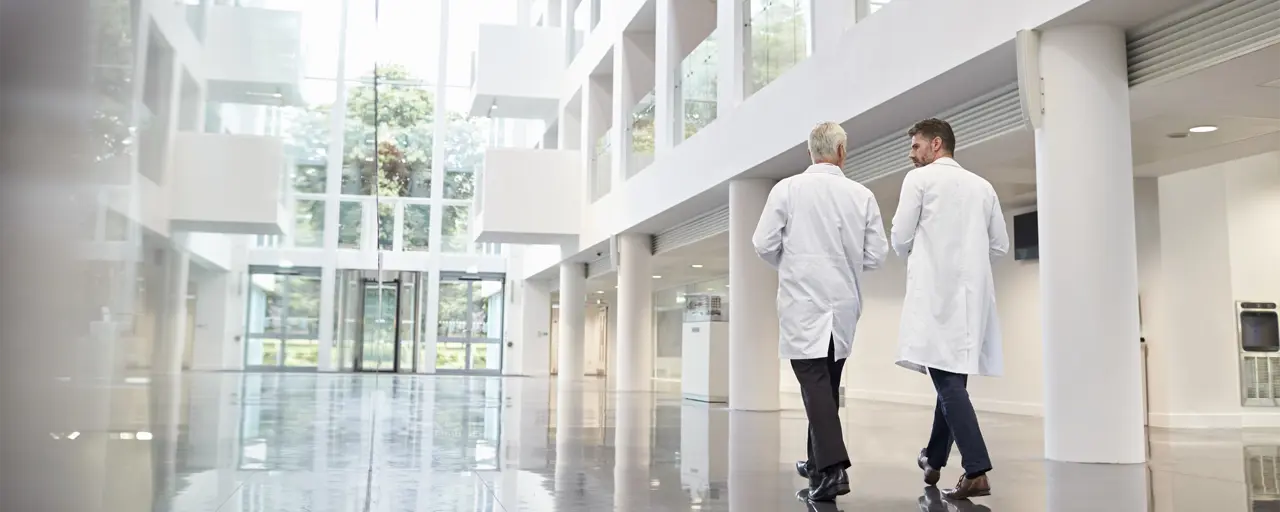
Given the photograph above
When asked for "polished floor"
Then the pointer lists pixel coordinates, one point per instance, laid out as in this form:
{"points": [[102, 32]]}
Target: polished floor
{"points": [[320, 443]]}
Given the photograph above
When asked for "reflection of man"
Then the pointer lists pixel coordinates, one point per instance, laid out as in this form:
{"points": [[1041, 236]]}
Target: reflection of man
{"points": [[949, 226], [821, 230]]}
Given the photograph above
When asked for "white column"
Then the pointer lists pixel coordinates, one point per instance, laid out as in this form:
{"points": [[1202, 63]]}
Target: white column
{"points": [[635, 313], [632, 452], [571, 349], [753, 314], [667, 77], [554, 16], [1088, 255], [828, 19], [734, 48]]}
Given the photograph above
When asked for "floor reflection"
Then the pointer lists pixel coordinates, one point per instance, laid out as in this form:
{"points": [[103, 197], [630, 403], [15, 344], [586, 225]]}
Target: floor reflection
{"points": [[278, 442]]}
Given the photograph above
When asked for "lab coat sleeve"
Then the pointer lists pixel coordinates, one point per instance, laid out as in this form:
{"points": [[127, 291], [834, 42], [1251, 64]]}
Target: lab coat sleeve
{"points": [[907, 218], [768, 236], [996, 230], [874, 245]]}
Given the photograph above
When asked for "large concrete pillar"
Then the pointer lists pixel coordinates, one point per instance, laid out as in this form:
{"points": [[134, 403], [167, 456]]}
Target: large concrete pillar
{"points": [[572, 347], [635, 313], [753, 315], [1088, 255]]}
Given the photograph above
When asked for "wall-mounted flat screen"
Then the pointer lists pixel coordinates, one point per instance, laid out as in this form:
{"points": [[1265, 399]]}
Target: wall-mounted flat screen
{"points": [[1259, 331], [1026, 237]]}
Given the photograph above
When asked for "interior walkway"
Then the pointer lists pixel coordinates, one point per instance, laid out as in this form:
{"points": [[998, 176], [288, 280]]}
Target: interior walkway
{"points": [[306, 442]]}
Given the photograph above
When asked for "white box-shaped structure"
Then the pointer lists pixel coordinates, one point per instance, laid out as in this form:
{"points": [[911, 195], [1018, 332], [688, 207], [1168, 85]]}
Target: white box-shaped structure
{"points": [[528, 196], [254, 55], [518, 72], [704, 374], [225, 183]]}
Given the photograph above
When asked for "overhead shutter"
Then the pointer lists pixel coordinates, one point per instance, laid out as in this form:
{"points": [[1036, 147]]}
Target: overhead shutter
{"points": [[974, 122], [1200, 36], [699, 228]]}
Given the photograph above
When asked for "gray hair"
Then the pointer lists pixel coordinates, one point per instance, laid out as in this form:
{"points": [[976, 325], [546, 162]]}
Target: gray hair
{"points": [[824, 141]]}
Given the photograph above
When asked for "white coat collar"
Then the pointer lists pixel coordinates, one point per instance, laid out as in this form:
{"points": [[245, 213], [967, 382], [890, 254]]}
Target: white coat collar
{"points": [[825, 169], [947, 161]]}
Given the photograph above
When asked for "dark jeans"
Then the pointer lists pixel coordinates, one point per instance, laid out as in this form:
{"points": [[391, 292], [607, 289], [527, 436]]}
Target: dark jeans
{"points": [[955, 421], [820, 387]]}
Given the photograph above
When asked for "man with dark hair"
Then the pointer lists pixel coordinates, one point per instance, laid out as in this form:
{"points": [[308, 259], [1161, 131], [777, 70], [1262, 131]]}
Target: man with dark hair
{"points": [[949, 227]]}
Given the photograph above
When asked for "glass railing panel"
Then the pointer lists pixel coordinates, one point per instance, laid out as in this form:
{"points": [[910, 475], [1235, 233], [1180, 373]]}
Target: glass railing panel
{"points": [[642, 125], [602, 167], [779, 39], [698, 87]]}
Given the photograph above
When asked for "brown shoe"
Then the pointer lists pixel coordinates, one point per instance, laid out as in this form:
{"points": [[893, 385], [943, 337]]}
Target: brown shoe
{"points": [[931, 476], [969, 488]]}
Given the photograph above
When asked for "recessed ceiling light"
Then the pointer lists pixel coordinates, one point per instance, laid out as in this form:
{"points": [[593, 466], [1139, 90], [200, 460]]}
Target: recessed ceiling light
{"points": [[1203, 129], [695, 265], [657, 277], [601, 291]]}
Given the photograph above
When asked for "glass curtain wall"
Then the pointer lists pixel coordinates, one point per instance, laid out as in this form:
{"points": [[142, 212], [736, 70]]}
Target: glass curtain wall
{"points": [[778, 32], [698, 83]]}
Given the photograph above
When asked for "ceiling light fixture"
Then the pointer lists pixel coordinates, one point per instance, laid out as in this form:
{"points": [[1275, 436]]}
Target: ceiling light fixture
{"points": [[657, 277], [695, 265], [600, 292], [1203, 129]]}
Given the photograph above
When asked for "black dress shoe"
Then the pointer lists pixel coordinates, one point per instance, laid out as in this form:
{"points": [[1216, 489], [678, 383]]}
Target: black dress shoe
{"points": [[931, 475], [828, 484], [802, 468]]}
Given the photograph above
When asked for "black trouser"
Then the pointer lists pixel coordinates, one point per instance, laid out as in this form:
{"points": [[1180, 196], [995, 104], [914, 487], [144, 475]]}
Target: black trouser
{"points": [[955, 421], [820, 387]]}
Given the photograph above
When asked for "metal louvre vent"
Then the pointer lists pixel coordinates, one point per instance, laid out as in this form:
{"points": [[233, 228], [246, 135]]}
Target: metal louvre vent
{"points": [[983, 118], [600, 266], [699, 228], [1200, 36]]}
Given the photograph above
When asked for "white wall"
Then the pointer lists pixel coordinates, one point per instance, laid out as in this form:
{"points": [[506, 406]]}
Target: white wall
{"points": [[533, 72], [871, 373], [529, 196], [1218, 246]]}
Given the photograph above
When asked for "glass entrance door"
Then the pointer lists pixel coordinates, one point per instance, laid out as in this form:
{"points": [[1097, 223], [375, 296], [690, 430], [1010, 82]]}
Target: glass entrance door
{"points": [[378, 342], [469, 332], [283, 319]]}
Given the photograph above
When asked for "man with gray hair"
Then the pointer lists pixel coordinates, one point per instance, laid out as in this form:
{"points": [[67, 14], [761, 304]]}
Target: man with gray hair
{"points": [[821, 231]]}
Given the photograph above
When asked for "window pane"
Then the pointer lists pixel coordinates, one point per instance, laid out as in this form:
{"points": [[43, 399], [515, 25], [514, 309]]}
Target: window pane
{"points": [[417, 227], [486, 309], [266, 304], [386, 225], [404, 124], [778, 39], [306, 128], [698, 83], [350, 215], [309, 178], [453, 310], [400, 31], [304, 306], [641, 131], [455, 231], [464, 143], [308, 223]]}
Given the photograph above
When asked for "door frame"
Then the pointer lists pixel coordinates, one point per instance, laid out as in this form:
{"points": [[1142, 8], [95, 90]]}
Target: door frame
{"points": [[358, 362], [469, 341]]}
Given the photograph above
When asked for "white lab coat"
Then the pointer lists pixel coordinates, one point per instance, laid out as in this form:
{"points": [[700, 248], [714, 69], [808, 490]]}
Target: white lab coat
{"points": [[820, 230], [949, 227]]}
